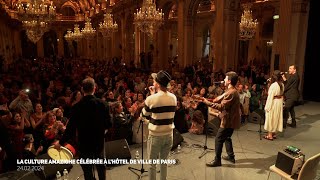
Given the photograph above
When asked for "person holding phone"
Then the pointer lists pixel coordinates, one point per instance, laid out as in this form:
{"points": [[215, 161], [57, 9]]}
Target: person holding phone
{"points": [[22, 102]]}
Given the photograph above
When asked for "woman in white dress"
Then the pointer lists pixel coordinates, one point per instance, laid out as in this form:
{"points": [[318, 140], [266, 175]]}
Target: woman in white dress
{"points": [[274, 107]]}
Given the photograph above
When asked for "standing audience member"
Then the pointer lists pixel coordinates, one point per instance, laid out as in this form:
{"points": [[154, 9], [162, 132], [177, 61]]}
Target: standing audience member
{"points": [[75, 97], [254, 99], [22, 102], [274, 107], [291, 94], [16, 132], [37, 121], [180, 121]]}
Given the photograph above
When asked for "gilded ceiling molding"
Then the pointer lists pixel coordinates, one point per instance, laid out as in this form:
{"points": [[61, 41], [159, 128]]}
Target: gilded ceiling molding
{"points": [[166, 7], [73, 5]]}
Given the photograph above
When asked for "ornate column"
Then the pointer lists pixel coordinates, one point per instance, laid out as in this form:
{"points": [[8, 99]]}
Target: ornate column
{"points": [[40, 48], [230, 34], [188, 42], [225, 35], [17, 43], [123, 36], [298, 37], [137, 46], [284, 32], [275, 46], [163, 46], [216, 37], [181, 31], [60, 44], [293, 26]]}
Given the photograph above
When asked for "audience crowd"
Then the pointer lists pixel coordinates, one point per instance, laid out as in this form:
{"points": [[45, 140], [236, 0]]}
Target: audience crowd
{"points": [[36, 97]]}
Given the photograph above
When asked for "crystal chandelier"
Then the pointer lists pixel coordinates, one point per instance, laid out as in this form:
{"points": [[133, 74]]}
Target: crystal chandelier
{"points": [[76, 35], [35, 17], [107, 27], [148, 18], [69, 36], [35, 30], [247, 25], [88, 32]]}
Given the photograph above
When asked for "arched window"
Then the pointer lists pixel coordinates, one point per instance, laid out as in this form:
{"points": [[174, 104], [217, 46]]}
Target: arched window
{"points": [[206, 43]]}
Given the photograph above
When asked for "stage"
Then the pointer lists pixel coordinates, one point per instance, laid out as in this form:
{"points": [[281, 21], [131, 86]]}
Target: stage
{"points": [[253, 156]]}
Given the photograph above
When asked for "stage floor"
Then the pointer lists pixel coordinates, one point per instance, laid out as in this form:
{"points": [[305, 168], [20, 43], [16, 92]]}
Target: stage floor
{"points": [[253, 156]]}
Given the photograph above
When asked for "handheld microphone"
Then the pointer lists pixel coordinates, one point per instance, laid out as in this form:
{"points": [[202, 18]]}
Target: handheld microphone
{"points": [[218, 82], [281, 73]]}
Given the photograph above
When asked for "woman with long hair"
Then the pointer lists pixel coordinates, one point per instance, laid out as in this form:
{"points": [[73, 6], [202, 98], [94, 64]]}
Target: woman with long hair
{"points": [[274, 107]]}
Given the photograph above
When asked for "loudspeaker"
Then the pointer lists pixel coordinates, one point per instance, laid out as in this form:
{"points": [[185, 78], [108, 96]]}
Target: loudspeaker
{"points": [[213, 125], [177, 139], [257, 116], [288, 163], [50, 170], [117, 149]]}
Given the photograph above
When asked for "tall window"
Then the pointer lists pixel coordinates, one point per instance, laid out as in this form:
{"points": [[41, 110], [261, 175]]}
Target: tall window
{"points": [[206, 44]]}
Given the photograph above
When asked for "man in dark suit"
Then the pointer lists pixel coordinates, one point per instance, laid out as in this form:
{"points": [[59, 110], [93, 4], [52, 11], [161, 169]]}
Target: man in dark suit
{"points": [[291, 93], [90, 118], [228, 105]]}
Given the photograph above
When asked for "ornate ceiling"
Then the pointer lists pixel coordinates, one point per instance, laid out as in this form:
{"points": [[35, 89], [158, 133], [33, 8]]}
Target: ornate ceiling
{"points": [[77, 10]]}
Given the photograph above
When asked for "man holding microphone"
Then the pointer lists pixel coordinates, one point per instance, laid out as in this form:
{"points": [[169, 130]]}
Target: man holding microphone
{"points": [[160, 108]]}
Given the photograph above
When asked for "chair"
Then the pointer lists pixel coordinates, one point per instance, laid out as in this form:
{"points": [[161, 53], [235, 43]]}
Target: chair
{"points": [[307, 172]]}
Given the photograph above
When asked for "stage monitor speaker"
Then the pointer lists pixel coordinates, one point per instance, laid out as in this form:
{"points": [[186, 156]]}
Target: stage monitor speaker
{"points": [[117, 149], [257, 116], [50, 170], [177, 139], [288, 163], [213, 125]]}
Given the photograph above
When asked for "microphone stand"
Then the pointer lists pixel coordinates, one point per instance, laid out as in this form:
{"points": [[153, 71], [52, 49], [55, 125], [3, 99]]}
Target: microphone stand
{"points": [[142, 170], [205, 147], [260, 129]]}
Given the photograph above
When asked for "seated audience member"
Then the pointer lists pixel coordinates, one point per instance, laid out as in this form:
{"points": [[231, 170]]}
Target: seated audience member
{"points": [[197, 123], [122, 123]]}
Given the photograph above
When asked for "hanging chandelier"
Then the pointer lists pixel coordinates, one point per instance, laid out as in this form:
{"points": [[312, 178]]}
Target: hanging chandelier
{"points": [[107, 27], [68, 37], [35, 17], [148, 18], [88, 32], [76, 35], [247, 25]]}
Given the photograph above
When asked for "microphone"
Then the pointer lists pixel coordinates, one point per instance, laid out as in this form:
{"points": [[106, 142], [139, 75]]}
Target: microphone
{"points": [[282, 73], [218, 82]]}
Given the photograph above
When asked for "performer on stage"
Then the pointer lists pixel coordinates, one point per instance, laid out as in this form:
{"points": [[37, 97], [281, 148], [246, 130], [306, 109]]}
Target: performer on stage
{"points": [[160, 107], [229, 113], [274, 107], [90, 118], [291, 93]]}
